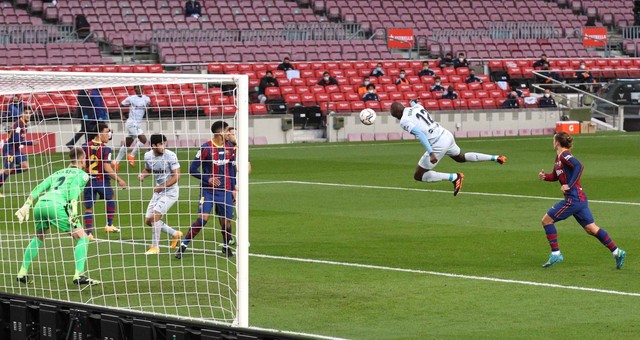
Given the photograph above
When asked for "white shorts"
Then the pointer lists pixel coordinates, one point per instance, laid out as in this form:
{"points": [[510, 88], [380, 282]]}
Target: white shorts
{"points": [[444, 145], [133, 130], [162, 202]]}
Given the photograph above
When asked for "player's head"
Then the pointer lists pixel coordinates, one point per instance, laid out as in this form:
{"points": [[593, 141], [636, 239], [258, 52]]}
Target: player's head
{"points": [[77, 157], [218, 127], [396, 109], [230, 135], [104, 133], [138, 90], [26, 114], [16, 99], [157, 143], [562, 140]]}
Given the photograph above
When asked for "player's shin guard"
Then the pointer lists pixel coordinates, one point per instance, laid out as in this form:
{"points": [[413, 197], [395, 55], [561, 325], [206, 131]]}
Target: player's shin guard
{"points": [[604, 238], [226, 232], [111, 211], [478, 157], [88, 222], [195, 229], [552, 236], [30, 253], [434, 176], [80, 255]]}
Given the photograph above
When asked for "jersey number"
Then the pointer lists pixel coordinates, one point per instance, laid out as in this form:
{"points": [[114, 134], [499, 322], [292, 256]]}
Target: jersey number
{"points": [[60, 181], [94, 161], [424, 115]]}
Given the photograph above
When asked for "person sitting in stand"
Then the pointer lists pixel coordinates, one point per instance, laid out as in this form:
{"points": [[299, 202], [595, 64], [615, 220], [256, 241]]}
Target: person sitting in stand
{"points": [[377, 72], [512, 101], [371, 94], [362, 89], [286, 65], [402, 80], [461, 61], [450, 93], [547, 100], [267, 81], [473, 78], [426, 71], [327, 80], [437, 86], [543, 60], [192, 9], [447, 61]]}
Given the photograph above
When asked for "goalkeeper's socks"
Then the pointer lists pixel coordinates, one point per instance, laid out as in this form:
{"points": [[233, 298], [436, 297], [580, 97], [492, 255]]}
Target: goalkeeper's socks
{"points": [[80, 254], [29, 254]]}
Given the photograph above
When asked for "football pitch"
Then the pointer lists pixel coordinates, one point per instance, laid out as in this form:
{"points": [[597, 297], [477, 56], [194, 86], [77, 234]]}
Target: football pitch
{"points": [[344, 243]]}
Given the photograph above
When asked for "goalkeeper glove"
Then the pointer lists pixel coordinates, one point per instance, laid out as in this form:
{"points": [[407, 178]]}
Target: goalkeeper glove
{"points": [[74, 218], [23, 212]]}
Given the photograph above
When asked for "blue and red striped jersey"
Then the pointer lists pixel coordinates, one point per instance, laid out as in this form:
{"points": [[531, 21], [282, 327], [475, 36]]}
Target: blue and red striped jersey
{"points": [[567, 169], [214, 161], [97, 155], [18, 136]]}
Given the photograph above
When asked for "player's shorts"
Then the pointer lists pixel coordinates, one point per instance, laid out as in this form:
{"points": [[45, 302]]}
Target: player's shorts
{"points": [[94, 190], [12, 160], [569, 207], [162, 202], [133, 130], [54, 212], [444, 145], [221, 200]]}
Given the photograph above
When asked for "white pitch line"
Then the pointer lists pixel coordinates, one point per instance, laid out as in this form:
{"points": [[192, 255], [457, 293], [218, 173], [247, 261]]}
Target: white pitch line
{"points": [[435, 190], [457, 276]]}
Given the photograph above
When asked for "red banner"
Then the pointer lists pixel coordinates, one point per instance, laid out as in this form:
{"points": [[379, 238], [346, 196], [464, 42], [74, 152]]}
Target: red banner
{"points": [[46, 142], [594, 36], [400, 38]]}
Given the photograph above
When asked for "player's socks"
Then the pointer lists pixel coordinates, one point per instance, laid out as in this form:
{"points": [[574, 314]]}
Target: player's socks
{"points": [[111, 211], [121, 153], [167, 229], [88, 222], [3, 177], [194, 230], [552, 236], [136, 147], [479, 157], [155, 235], [80, 255], [226, 234], [434, 176], [604, 238], [30, 253]]}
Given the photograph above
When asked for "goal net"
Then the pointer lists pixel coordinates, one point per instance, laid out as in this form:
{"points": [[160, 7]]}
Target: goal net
{"points": [[208, 205]]}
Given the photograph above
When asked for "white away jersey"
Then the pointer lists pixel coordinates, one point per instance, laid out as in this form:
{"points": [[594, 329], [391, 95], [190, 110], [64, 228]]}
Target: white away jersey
{"points": [[161, 166], [137, 107], [419, 118]]}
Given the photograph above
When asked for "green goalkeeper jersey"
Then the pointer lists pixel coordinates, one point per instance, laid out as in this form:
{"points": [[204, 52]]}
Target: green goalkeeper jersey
{"points": [[63, 185]]}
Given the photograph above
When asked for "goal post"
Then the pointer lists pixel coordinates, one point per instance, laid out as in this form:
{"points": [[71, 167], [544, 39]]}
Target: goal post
{"points": [[207, 284]]}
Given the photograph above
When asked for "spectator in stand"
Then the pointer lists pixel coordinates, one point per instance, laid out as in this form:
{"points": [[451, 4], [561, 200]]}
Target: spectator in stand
{"points": [[461, 61], [540, 63], [438, 85], [518, 92], [377, 72], [447, 61], [267, 81], [512, 101], [450, 93], [550, 74], [286, 65], [472, 77], [363, 87], [584, 75], [402, 79], [192, 9], [327, 80], [426, 71], [547, 100], [14, 112], [371, 94]]}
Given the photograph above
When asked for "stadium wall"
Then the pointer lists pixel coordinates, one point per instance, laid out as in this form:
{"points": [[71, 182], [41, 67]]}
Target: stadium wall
{"points": [[193, 132]]}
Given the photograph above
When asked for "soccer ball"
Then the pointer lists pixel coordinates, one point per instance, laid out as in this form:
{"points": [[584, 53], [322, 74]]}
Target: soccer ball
{"points": [[367, 116]]}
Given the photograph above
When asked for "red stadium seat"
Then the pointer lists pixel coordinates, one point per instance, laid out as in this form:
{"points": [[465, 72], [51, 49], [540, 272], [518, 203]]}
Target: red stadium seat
{"points": [[445, 104], [372, 104], [258, 109], [357, 106]]}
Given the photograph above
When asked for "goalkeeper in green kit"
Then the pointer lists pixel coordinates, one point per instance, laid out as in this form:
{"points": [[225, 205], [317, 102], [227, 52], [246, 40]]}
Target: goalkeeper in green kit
{"points": [[58, 207]]}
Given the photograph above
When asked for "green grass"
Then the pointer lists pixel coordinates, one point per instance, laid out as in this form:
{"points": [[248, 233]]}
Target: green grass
{"points": [[345, 243]]}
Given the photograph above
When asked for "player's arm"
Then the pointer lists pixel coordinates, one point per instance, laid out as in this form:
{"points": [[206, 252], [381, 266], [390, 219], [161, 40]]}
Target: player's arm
{"points": [[125, 102], [196, 163], [576, 166], [144, 173], [113, 175]]}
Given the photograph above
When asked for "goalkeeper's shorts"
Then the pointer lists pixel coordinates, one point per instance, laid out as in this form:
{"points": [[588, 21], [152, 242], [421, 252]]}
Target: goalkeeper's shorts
{"points": [[51, 212]]}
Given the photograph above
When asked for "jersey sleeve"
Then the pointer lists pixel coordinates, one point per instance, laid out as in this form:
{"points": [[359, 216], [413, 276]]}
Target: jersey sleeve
{"points": [[126, 101], [174, 164], [106, 154], [42, 187], [147, 100], [196, 164], [573, 176]]}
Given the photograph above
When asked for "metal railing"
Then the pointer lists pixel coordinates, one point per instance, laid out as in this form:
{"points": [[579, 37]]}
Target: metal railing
{"points": [[631, 32], [503, 30], [36, 34]]}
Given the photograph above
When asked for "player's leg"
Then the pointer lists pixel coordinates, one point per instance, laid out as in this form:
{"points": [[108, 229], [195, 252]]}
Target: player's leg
{"points": [[224, 209], [111, 210], [89, 197], [150, 217], [123, 149], [41, 212], [558, 212], [141, 141], [478, 157], [425, 170], [586, 220], [165, 203], [80, 255], [8, 165], [205, 206]]}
